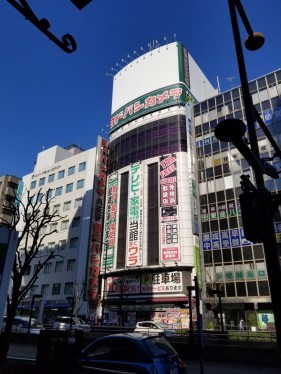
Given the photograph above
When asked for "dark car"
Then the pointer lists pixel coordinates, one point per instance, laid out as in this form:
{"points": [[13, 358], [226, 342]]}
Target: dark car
{"points": [[131, 353]]}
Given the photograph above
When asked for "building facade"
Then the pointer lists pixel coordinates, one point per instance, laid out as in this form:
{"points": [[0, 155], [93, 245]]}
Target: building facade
{"points": [[151, 240], [69, 177], [231, 263], [8, 190]]}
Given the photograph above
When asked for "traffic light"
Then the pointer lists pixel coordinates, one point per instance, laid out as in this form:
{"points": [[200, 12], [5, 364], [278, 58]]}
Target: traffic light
{"points": [[256, 206]]}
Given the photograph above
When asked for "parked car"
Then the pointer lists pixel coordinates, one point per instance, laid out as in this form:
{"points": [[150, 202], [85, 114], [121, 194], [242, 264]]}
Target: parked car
{"points": [[64, 322], [131, 353], [154, 328], [20, 325]]}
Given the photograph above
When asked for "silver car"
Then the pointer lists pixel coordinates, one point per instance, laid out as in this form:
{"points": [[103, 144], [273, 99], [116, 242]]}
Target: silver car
{"points": [[154, 328], [65, 323], [21, 324]]}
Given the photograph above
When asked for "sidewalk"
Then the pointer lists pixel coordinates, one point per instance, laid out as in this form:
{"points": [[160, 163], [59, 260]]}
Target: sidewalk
{"points": [[193, 367]]}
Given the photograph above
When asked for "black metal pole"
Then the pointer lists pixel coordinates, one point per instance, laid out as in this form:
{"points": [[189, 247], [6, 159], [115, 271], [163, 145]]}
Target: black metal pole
{"points": [[199, 325], [72, 308], [269, 242], [220, 306], [30, 314], [190, 317]]}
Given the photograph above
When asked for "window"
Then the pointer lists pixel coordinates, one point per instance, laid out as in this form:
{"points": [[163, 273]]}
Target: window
{"points": [[56, 289], [78, 203], [41, 247], [71, 170], [58, 266], [66, 206], [48, 268], [35, 268], [51, 246], [42, 181], [33, 185], [82, 166], [51, 178], [71, 265], [44, 289], [28, 270], [40, 197], [68, 288], [76, 221], [64, 224], [80, 184], [43, 230], [56, 208], [73, 242], [50, 193], [69, 187], [33, 290], [58, 191], [61, 174], [62, 244], [53, 227]]}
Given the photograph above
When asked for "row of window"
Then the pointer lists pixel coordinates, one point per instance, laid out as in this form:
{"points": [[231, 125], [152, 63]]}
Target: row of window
{"points": [[55, 288], [64, 225], [245, 289], [61, 174], [269, 81], [59, 190], [231, 255], [56, 267]]}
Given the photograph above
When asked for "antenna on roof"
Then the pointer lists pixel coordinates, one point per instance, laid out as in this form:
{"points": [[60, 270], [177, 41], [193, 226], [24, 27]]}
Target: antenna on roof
{"points": [[218, 83], [230, 80], [175, 36], [136, 53]]}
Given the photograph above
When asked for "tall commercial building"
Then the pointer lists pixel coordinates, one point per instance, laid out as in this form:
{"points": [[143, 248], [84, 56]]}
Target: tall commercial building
{"points": [[150, 241], [69, 177], [236, 266]]}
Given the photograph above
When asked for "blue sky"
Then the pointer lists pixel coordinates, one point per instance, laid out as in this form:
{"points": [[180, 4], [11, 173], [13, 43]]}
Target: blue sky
{"points": [[49, 97]]}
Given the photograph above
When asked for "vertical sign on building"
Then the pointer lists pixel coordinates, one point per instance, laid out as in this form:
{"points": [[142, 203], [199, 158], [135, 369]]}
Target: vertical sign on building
{"points": [[134, 253], [98, 210], [169, 202], [184, 74], [110, 222]]}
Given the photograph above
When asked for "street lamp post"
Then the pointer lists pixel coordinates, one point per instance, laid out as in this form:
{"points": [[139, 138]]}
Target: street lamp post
{"points": [[71, 298], [225, 131], [31, 310]]}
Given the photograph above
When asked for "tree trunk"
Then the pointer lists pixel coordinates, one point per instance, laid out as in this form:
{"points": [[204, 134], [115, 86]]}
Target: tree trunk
{"points": [[5, 338]]}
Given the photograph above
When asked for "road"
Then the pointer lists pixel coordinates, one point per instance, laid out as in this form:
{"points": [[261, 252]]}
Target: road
{"points": [[28, 351]]}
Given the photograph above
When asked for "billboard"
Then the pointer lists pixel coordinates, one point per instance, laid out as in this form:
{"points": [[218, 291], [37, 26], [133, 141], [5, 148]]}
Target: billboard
{"points": [[99, 201], [169, 209], [135, 211]]}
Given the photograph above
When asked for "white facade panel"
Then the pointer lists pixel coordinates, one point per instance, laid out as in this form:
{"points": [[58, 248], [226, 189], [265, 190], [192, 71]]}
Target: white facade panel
{"points": [[153, 70]]}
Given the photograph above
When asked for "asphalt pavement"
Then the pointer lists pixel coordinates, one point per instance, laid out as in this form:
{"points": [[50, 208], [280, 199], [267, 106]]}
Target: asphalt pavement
{"points": [[28, 351]]}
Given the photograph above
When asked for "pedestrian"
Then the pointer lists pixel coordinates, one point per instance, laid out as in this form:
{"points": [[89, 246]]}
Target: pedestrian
{"points": [[241, 324]]}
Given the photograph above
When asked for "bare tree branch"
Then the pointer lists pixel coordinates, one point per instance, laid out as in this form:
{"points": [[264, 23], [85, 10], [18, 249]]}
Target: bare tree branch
{"points": [[37, 225]]}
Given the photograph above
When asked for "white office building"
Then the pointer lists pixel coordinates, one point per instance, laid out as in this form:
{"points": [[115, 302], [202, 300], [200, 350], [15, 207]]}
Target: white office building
{"points": [[69, 176]]}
